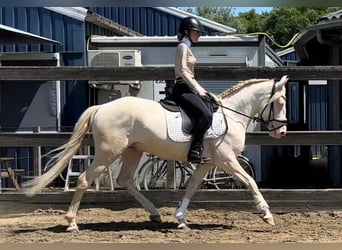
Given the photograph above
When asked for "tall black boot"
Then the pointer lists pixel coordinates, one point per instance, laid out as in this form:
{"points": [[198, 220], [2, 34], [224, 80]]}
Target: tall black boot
{"points": [[195, 152]]}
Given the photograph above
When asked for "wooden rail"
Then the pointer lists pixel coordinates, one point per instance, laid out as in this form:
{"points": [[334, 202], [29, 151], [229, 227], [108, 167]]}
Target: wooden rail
{"points": [[163, 73], [148, 73], [253, 138]]}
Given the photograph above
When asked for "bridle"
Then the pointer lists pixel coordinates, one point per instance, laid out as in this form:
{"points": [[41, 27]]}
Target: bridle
{"points": [[271, 117], [260, 118]]}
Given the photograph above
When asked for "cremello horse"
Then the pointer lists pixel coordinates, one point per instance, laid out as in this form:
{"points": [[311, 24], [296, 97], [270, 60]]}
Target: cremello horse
{"points": [[129, 126]]}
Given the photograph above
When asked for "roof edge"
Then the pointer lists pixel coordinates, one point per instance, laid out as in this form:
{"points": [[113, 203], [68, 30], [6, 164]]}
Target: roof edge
{"points": [[24, 37], [204, 21], [78, 13]]}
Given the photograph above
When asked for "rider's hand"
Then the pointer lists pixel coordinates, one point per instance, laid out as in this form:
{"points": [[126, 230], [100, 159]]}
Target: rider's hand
{"points": [[200, 91], [203, 93]]}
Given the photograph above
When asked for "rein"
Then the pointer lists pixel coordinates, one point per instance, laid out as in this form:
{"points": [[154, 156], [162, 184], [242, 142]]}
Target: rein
{"points": [[260, 119], [253, 118]]}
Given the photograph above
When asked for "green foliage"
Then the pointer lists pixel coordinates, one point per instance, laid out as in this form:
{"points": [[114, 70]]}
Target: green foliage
{"points": [[281, 23], [221, 15], [251, 22]]}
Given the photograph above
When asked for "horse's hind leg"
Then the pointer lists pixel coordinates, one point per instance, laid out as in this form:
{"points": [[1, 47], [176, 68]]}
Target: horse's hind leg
{"points": [[130, 159], [84, 181]]}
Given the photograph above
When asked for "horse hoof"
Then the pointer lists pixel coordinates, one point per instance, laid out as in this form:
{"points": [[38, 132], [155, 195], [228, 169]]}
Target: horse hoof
{"points": [[155, 218], [183, 226], [269, 221], [73, 229]]}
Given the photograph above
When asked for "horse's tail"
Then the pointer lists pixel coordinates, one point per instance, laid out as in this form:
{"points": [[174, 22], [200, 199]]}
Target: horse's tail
{"points": [[64, 155]]}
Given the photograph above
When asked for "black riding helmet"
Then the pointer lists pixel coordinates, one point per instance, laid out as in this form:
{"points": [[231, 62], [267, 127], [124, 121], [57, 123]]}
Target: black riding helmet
{"points": [[190, 23]]}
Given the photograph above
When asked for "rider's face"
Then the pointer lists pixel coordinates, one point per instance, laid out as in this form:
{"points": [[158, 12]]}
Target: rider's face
{"points": [[194, 35]]}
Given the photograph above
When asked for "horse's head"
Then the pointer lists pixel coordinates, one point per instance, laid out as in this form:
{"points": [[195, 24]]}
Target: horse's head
{"points": [[273, 114]]}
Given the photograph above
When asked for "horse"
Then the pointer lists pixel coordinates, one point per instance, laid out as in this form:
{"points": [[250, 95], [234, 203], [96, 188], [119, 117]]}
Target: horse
{"points": [[129, 126]]}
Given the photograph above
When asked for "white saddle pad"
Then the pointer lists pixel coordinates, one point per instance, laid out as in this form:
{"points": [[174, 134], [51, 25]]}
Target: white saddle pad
{"points": [[175, 132]]}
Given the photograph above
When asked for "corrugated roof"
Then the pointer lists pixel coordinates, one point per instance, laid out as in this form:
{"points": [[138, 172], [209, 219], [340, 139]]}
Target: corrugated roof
{"points": [[331, 24], [333, 15], [108, 24], [82, 14]]}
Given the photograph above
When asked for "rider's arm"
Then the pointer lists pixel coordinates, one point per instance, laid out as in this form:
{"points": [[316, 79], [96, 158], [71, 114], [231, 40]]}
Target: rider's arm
{"points": [[184, 67]]}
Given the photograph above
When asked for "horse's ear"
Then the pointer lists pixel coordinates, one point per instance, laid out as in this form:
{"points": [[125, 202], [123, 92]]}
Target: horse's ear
{"points": [[280, 84], [279, 90]]}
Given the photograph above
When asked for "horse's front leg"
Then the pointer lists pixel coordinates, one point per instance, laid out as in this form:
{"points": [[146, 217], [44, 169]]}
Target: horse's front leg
{"points": [[239, 173], [263, 207], [191, 188]]}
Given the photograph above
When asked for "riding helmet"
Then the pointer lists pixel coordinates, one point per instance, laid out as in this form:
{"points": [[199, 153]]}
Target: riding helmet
{"points": [[190, 23]]}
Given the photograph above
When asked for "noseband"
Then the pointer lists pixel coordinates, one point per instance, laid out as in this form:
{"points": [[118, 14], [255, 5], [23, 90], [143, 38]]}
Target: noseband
{"points": [[271, 117]]}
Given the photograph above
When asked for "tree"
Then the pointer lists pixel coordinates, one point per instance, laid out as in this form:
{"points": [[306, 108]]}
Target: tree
{"points": [[250, 22], [284, 22], [281, 23], [221, 15], [244, 23]]}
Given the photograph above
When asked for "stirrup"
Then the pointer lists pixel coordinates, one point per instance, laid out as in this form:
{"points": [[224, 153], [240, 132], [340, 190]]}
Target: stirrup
{"points": [[196, 157]]}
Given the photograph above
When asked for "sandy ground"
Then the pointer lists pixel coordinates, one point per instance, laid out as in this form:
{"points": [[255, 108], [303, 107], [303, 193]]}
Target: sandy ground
{"points": [[101, 225]]}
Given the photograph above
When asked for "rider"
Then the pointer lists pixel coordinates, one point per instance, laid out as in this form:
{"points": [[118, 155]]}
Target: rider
{"points": [[187, 92]]}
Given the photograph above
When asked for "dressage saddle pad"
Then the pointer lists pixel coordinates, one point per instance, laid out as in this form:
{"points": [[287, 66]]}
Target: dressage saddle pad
{"points": [[177, 134]]}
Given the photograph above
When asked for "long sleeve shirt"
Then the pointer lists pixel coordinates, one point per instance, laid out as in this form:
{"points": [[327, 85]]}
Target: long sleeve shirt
{"points": [[185, 62]]}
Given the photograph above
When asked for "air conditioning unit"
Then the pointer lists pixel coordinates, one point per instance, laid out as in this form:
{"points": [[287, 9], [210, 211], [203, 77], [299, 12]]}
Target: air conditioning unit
{"points": [[114, 58]]}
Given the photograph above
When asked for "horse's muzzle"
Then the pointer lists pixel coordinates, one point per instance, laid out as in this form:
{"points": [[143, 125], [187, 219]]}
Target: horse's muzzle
{"points": [[278, 133]]}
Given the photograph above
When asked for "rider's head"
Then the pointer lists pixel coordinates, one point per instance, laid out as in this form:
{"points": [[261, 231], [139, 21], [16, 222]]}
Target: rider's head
{"points": [[191, 28]]}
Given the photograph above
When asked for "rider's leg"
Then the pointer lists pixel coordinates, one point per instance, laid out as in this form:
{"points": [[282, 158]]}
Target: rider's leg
{"points": [[196, 108], [196, 147]]}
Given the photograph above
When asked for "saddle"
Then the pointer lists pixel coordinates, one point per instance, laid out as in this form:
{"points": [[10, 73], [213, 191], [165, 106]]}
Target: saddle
{"points": [[187, 121]]}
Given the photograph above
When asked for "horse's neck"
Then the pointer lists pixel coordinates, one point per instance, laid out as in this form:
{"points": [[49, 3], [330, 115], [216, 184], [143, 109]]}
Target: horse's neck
{"points": [[248, 101]]}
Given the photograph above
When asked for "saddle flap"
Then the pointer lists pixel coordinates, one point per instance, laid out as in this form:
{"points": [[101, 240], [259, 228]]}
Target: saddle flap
{"points": [[176, 132], [169, 105], [187, 122]]}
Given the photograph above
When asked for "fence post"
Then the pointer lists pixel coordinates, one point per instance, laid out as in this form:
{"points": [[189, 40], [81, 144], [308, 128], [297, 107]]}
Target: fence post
{"points": [[171, 176]]}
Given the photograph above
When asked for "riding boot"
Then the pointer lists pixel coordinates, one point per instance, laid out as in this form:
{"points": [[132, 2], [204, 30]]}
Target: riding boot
{"points": [[195, 152]]}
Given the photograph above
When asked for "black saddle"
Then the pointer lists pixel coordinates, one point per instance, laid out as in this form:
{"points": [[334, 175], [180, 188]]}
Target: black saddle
{"points": [[187, 122]]}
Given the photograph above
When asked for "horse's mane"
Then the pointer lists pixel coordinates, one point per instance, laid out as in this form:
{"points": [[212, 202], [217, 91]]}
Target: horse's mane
{"points": [[239, 86]]}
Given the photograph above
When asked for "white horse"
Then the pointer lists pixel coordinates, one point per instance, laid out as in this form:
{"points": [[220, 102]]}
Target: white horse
{"points": [[129, 126]]}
